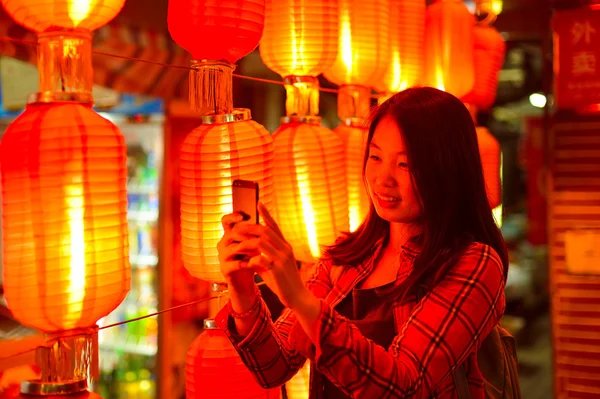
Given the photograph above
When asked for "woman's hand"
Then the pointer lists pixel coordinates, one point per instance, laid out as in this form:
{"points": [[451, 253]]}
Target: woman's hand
{"points": [[235, 250], [274, 258]]}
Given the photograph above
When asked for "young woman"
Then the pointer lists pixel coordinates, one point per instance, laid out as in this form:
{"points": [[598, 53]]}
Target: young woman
{"points": [[396, 306]]}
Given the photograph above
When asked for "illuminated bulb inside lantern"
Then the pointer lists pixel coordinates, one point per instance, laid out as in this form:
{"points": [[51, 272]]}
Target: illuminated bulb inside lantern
{"points": [[346, 41], [74, 245], [308, 213], [79, 10]]}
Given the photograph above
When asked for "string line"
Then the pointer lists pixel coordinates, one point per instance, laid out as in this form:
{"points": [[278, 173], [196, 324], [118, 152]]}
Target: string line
{"points": [[123, 57]]}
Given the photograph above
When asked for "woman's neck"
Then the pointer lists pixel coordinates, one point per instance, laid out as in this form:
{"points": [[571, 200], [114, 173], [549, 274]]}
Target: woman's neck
{"points": [[400, 233]]}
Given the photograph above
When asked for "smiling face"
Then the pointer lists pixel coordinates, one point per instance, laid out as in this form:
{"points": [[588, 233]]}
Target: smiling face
{"points": [[388, 175]]}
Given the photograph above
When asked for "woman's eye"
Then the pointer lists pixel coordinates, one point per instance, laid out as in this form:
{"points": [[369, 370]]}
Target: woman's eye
{"points": [[374, 157], [403, 165]]}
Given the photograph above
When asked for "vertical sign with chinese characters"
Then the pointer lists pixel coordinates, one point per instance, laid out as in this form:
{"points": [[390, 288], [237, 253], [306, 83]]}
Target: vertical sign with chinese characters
{"points": [[576, 36]]}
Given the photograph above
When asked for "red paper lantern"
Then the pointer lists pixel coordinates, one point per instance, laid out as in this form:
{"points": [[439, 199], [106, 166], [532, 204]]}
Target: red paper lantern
{"points": [[217, 29], [212, 157], [65, 248], [449, 47], [489, 52], [310, 187], [214, 370], [491, 160]]}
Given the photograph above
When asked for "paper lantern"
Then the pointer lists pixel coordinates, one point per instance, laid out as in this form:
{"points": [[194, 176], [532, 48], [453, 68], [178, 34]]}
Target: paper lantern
{"points": [[44, 15], [212, 157], [489, 52], [354, 137], [214, 370], [449, 47], [298, 386], [491, 155], [363, 49], [216, 29], [300, 36], [309, 187], [65, 248], [407, 57]]}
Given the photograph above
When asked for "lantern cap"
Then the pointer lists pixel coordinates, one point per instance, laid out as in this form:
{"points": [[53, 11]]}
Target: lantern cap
{"points": [[218, 287], [210, 324], [237, 115], [60, 97], [311, 120], [43, 388]]}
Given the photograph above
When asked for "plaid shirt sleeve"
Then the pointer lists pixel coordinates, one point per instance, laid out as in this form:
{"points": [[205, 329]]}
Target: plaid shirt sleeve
{"points": [[274, 352], [444, 328]]}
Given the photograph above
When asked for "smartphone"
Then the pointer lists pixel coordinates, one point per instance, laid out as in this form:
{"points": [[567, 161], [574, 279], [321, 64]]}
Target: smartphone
{"points": [[245, 199]]}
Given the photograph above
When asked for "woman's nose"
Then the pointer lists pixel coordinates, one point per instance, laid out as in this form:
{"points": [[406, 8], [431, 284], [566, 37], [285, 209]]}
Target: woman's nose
{"points": [[385, 178]]}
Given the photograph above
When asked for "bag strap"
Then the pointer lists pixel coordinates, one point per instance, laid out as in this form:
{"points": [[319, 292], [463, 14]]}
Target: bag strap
{"points": [[459, 375]]}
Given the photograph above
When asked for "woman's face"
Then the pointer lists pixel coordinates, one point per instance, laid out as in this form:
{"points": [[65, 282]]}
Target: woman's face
{"points": [[388, 175]]}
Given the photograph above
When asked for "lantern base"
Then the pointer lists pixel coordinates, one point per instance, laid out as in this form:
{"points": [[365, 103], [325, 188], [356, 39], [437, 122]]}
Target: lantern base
{"points": [[44, 388], [311, 120], [60, 97], [237, 115]]}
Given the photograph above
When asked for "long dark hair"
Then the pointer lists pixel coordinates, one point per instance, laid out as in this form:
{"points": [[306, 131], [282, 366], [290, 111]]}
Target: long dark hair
{"points": [[443, 157]]}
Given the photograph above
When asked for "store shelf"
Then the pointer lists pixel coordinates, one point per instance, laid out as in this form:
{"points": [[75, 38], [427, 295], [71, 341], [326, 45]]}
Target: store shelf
{"points": [[141, 189], [143, 260], [131, 348]]}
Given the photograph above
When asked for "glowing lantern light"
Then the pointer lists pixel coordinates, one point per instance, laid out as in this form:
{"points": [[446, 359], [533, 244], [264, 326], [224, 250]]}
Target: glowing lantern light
{"points": [[228, 145], [449, 47], [310, 189], [298, 386], [407, 57], [64, 175], [299, 42], [214, 370]]}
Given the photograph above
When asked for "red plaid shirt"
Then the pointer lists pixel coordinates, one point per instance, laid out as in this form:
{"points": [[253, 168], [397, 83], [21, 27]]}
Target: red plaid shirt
{"points": [[435, 335]]}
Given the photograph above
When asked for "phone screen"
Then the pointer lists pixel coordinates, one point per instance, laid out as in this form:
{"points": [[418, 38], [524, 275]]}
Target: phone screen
{"points": [[245, 199]]}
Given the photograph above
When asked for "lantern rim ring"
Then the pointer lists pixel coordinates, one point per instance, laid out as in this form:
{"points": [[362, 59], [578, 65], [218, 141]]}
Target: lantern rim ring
{"points": [[42, 388], [237, 115], [82, 33], [309, 119], [198, 64], [355, 122], [210, 324], [60, 97], [291, 79]]}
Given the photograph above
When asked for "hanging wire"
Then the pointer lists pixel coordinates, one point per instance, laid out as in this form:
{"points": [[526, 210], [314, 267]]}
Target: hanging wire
{"points": [[123, 57]]}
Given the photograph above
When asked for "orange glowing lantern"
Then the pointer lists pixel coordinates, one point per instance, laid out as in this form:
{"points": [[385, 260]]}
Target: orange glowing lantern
{"points": [[362, 61], [301, 41], [491, 159], [65, 250], [310, 187], [64, 180], [214, 370], [64, 176], [298, 386], [449, 47], [46, 15], [489, 52], [407, 34], [212, 157], [363, 44], [228, 145]]}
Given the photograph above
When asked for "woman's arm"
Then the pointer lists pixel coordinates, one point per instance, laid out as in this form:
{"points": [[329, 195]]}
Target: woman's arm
{"points": [[274, 352], [444, 328]]}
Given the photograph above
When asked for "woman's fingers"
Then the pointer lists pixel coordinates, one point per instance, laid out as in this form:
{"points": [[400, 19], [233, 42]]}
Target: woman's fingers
{"points": [[269, 221], [229, 220], [260, 263]]}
